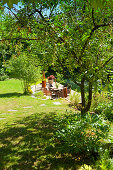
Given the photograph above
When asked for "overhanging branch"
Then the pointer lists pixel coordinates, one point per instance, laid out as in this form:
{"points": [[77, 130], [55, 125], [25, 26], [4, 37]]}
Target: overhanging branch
{"points": [[93, 17], [88, 39], [107, 61], [51, 11], [9, 39], [12, 12], [78, 84], [39, 12]]}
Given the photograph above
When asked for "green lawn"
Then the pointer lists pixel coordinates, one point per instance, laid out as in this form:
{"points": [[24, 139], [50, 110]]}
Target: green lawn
{"points": [[26, 128]]}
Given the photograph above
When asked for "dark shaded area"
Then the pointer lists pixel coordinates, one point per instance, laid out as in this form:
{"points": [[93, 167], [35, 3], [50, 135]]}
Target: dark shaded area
{"points": [[8, 95], [29, 144]]}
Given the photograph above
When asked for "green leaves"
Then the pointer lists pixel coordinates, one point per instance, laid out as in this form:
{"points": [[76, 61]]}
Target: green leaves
{"points": [[24, 68], [100, 4], [46, 4], [80, 135], [71, 37], [10, 2]]}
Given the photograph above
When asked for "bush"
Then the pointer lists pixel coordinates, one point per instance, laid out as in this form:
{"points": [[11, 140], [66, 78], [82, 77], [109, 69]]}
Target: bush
{"points": [[23, 68], [39, 94], [68, 83], [97, 99], [75, 99], [106, 109], [105, 162], [80, 136], [85, 167], [60, 78], [110, 94], [3, 75]]}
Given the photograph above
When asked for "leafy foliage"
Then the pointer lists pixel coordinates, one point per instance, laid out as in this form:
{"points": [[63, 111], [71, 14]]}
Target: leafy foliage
{"points": [[74, 37], [80, 136], [3, 75], [105, 161], [66, 82], [23, 68], [75, 99], [39, 94], [99, 98], [106, 109]]}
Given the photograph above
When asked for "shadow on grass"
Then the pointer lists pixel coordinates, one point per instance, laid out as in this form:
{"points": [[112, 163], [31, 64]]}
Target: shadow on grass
{"points": [[8, 95], [28, 144]]}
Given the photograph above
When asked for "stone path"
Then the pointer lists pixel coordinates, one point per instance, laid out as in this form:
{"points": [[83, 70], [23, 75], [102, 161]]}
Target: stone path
{"points": [[35, 88], [4, 113], [57, 103], [2, 118], [12, 110], [27, 107], [42, 105]]}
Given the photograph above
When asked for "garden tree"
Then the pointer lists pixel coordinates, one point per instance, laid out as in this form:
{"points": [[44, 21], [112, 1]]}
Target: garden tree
{"points": [[6, 23], [74, 34], [24, 68], [85, 49], [23, 31]]}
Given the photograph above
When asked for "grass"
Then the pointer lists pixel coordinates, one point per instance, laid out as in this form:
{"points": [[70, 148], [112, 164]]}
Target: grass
{"points": [[26, 132], [26, 128]]}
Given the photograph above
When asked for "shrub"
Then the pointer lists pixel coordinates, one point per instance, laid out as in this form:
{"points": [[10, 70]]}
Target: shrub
{"points": [[80, 136], [75, 99], [106, 109], [60, 78], [39, 94], [85, 167], [105, 162], [29, 90], [97, 99], [23, 68], [3, 75], [67, 82]]}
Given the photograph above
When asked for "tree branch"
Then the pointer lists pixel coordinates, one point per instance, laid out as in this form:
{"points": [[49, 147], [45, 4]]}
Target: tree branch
{"points": [[75, 56], [78, 84], [107, 61], [93, 17], [51, 11], [39, 11], [9, 39], [88, 39], [11, 12]]}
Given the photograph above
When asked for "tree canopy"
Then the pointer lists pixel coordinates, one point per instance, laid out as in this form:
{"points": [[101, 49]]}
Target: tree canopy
{"points": [[76, 35], [24, 68]]}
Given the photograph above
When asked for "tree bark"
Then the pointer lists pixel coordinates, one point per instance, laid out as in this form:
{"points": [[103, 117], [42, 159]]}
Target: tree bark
{"points": [[85, 107], [89, 98], [82, 95]]}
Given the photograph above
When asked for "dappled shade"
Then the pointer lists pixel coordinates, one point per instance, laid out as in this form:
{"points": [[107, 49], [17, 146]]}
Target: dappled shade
{"points": [[28, 144]]}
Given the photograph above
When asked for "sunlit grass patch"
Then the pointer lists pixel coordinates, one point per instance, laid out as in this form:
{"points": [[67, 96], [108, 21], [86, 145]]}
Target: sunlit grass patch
{"points": [[28, 130]]}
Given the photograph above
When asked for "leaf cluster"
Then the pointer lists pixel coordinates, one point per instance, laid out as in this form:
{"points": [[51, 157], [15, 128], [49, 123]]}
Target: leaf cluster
{"points": [[23, 68], [81, 136]]}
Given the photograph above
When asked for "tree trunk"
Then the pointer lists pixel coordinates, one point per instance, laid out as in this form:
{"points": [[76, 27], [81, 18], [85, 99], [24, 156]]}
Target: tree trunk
{"points": [[89, 98], [26, 85], [82, 95], [85, 108]]}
